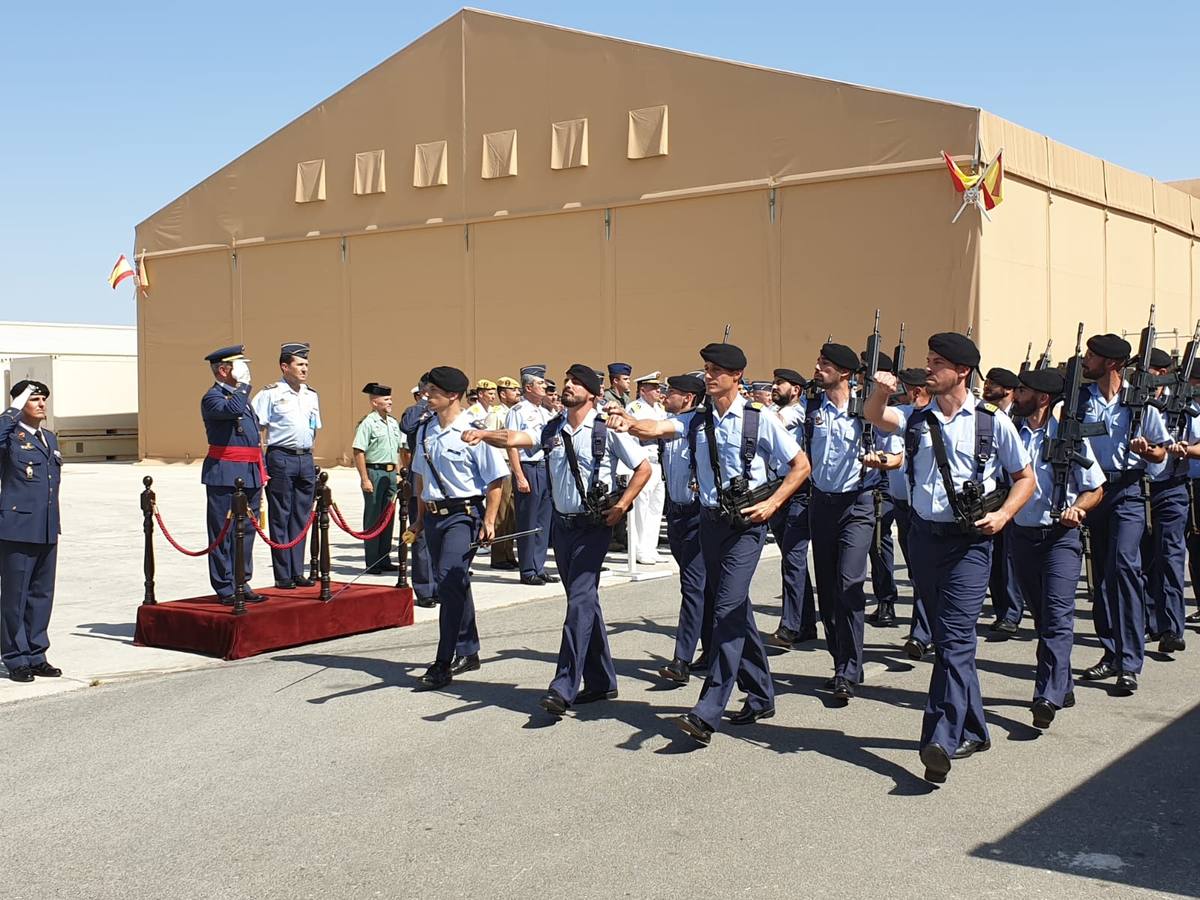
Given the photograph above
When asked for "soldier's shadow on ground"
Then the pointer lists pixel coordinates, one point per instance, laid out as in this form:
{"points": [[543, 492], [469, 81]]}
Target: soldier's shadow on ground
{"points": [[120, 632]]}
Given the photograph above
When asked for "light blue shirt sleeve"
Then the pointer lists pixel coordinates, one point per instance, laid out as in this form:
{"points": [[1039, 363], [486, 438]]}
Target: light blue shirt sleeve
{"points": [[1010, 449], [626, 449], [775, 442]]}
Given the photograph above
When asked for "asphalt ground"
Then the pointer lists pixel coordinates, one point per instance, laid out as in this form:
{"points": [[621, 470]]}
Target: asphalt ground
{"points": [[319, 772]]}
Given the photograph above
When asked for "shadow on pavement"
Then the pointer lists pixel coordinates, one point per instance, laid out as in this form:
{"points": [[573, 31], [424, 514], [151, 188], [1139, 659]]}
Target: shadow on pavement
{"points": [[1133, 823]]}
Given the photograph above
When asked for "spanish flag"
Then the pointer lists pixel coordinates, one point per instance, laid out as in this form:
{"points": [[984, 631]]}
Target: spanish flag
{"points": [[993, 182], [120, 272], [962, 181]]}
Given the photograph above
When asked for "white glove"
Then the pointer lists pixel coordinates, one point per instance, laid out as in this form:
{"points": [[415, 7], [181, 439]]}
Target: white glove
{"points": [[22, 398], [241, 371]]}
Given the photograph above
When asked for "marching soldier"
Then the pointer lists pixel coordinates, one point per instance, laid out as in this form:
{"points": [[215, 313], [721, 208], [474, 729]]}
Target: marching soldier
{"points": [[459, 487], [790, 526], [377, 443], [618, 380], [30, 475], [420, 568], [582, 453], [529, 476], [920, 633], [1119, 520], [233, 452], [732, 445], [289, 414], [1047, 554], [999, 386], [952, 442], [648, 508], [504, 554]]}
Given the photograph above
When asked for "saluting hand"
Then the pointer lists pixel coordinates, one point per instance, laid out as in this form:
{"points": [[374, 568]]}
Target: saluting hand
{"points": [[22, 398], [1072, 517], [993, 522]]}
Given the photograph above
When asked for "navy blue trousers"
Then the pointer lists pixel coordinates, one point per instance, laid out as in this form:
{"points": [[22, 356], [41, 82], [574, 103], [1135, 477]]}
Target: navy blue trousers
{"points": [[289, 503], [1003, 585], [583, 656], [1193, 540], [952, 573], [1164, 551], [737, 656], [449, 539], [844, 524], [1119, 609], [420, 568], [26, 598], [696, 599], [883, 561], [220, 560], [792, 534], [534, 510], [918, 628], [1047, 562]]}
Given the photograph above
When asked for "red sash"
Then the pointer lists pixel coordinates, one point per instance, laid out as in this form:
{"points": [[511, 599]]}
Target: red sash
{"points": [[240, 454]]}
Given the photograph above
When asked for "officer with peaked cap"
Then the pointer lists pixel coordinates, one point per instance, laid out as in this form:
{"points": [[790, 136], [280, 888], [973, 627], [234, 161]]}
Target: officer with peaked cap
{"points": [[376, 447], [1118, 522], [420, 569], [618, 380], [790, 526], [582, 453], [920, 632], [760, 392], [731, 546], [459, 486], [1045, 543], [30, 475], [648, 508], [233, 452], [289, 414], [530, 483], [953, 441], [1164, 542]]}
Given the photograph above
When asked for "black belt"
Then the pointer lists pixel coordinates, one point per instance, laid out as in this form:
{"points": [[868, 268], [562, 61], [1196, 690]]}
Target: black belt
{"points": [[950, 529], [1173, 481], [449, 507], [1040, 532], [576, 520], [290, 450], [532, 462], [386, 467], [1122, 478], [681, 509]]}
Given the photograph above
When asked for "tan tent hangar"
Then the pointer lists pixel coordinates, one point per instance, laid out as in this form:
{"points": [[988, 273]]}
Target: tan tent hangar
{"points": [[502, 191]]}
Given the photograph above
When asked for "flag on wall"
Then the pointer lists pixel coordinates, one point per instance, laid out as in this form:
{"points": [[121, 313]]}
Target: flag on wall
{"points": [[993, 182], [985, 188], [120, 272]]}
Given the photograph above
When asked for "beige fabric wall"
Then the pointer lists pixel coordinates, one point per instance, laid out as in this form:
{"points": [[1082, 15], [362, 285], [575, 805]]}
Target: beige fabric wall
{"points": [[1076, 271]]}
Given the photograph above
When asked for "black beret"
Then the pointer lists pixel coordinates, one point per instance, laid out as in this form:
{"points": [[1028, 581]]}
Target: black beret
{"points": [[424, 379], [885, 361], [913, 377], [586, 376], [449, 379], [691, 384], [841, 356], [39, 389], [375, 389], [957, 348], [1048, 381], [1160, 358], [789, 375], [1110, 346], [727, 356], [1003, 377]]}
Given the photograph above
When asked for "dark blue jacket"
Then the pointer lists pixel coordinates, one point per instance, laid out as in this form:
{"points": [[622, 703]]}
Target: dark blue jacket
{"points": [[229, 421], [30, 474]]}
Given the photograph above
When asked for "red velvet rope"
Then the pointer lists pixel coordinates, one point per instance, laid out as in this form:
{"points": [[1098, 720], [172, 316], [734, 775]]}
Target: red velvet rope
{"points": [[290, 544], [184, 550], [364, 535]]}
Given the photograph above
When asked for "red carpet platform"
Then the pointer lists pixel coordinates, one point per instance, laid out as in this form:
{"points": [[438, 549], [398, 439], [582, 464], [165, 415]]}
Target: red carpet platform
{"points": [[286, 619]]}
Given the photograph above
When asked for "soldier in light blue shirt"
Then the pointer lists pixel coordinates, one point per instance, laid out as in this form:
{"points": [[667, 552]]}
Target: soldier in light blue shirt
{"points": [[583, 451], [530, 485], [746, 441], [459, 485], [1119, 521], [920, 632], [289, 414], [950, 535], [1045, 542]]}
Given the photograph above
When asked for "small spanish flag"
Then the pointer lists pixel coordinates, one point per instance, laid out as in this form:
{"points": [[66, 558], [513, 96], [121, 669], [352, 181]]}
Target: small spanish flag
{"points": [[962, 181], [993, 182], [120, 272]]}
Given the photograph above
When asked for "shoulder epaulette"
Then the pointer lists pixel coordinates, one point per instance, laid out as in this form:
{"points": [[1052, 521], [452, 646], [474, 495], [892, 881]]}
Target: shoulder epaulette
{"points": [[754, 404], [990, 408]]}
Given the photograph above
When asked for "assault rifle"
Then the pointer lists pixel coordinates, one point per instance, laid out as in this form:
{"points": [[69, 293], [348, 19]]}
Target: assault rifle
{"points": [[898, 366], [1025, 363], [1180, 403], [1043, 361], [973, 377], [870, 367], [1140, 392]]}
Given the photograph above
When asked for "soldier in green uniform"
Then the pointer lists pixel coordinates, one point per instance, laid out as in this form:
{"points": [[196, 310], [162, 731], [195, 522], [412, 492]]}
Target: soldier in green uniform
{"points": [[377, 457]]}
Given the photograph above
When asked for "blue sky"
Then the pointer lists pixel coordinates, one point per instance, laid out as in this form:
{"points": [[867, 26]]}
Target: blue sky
{"points": [[113, 109]]}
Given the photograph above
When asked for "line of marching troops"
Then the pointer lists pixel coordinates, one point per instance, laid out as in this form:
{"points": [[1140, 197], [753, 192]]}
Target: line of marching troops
{"points": [[977, 488]]}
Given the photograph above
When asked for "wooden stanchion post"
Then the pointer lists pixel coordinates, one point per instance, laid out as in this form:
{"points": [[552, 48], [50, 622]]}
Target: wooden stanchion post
{"points": [[239, 509], [314, 544], [323, 517], [403, 489], [148, 531]]}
